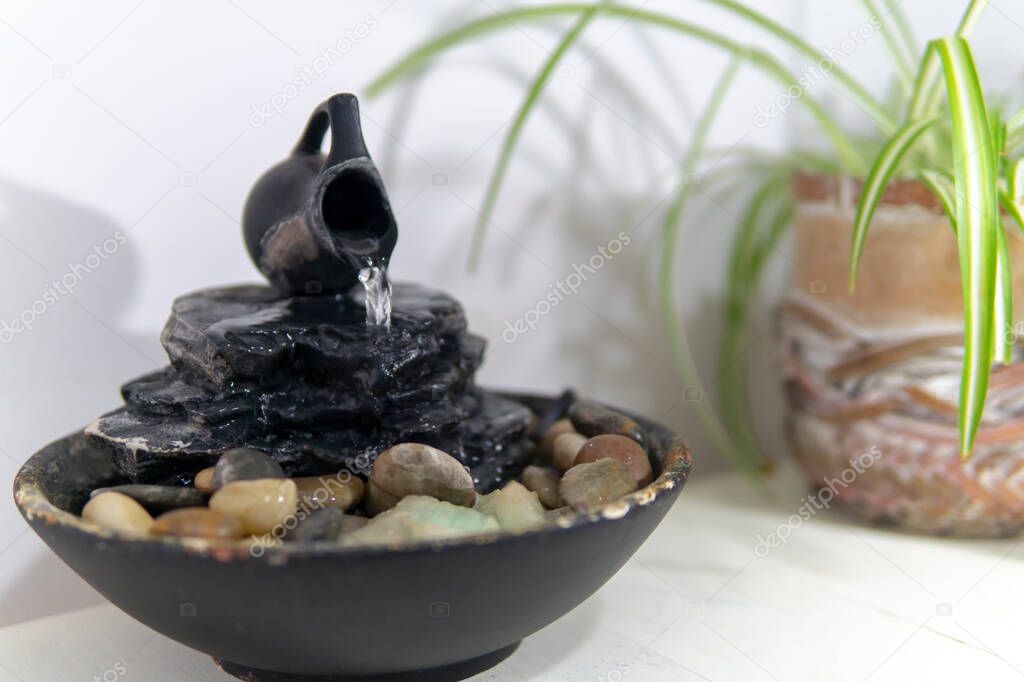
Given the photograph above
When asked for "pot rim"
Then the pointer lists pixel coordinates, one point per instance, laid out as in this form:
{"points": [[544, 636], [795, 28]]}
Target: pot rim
{"points": [[810, 187], [33, 503]]}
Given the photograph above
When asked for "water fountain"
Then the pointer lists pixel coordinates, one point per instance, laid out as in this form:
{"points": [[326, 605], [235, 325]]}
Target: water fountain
{"points": [[331, 364], [332, 369]]}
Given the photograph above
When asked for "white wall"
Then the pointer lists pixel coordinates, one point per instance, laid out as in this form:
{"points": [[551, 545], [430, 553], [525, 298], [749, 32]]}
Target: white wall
{"points": [[138, 117]]}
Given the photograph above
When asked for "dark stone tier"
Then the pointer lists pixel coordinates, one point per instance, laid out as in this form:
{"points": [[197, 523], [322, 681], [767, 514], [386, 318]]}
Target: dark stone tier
{"points": [[308, 381]]}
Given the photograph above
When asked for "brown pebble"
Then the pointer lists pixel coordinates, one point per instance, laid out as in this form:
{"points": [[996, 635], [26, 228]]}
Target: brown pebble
{"points": [[544, 482], [587, 486], [204, 480], [343, 490], [545, 448], [119, 512], [417, 469], [626, 450], [196, 522], [567, 446]]}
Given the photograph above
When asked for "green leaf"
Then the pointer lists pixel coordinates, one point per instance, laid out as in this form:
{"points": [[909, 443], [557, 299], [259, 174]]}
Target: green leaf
{"points": [[765, 219], [904, 66], [924, 97], [515, 130], [1013, 207], [942, 186], [1017, 181], [847, 151], [1002, 325], [744, 455], [870, 105], [978, 223], [903, 24], [876, 182]]}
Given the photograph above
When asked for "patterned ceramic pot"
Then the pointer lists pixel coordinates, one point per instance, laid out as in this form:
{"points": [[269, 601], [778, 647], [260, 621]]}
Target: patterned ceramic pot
{"points": [[872, 377]]}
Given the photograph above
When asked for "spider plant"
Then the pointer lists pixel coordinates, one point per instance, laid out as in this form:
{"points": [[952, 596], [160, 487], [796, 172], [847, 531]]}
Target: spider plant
{"points": [[939, 130]]}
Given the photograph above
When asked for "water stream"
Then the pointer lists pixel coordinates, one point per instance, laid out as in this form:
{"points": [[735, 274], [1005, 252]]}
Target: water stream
{"points": [[378, 295]]}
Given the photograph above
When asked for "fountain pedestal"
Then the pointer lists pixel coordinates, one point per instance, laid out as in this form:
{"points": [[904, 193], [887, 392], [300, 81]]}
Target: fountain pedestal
{"points": [[307, 380]]}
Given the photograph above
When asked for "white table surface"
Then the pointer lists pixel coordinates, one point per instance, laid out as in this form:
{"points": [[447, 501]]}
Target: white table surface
{"points": [[840, 601]]}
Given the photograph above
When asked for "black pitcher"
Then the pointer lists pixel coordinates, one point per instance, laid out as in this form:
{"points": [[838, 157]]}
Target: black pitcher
{"points": [[313, 221]]}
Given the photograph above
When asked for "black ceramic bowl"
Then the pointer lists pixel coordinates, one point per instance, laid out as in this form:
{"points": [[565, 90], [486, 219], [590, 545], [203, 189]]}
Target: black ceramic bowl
{"points": [[437, 611]]}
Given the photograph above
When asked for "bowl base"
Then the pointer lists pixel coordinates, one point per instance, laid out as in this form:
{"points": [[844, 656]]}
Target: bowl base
{"points": [[444, 673]]}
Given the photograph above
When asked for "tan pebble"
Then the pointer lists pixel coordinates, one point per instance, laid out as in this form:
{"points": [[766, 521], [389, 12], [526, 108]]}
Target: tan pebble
{"points": [[118, 512], [343, 490], [591, 485], [260, 505], [544, 482], [197, 522], [545, 448], [567, 446], [624, 449], [417, 469], [204, 480]]}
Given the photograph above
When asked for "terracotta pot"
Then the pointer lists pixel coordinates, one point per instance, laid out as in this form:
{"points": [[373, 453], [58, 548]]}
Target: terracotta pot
{"points": [[872, 377]]}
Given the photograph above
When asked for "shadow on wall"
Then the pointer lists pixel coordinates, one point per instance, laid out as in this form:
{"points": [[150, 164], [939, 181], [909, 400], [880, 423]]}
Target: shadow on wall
{"points": [[70, 273]]}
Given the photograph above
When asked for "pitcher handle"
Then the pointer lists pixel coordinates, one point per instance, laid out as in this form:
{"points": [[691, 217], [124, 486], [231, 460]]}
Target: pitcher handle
{"points": [[340, 115]]}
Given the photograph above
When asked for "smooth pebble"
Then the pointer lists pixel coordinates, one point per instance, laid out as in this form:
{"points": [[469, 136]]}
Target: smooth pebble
{"points": [[587, 486], [204, 480], [567, 446], [343, 491], [198, 522], [244, 464], [260, 506], [416, 469], [118, 512], [545, 448], [626, 450], [544, 482], [593, 419], [322, 524]]}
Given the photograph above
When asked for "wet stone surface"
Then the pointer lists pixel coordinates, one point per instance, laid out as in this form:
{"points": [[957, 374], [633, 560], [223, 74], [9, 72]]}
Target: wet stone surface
{"points": [[244, 464], [307, 381], [157, 499]]}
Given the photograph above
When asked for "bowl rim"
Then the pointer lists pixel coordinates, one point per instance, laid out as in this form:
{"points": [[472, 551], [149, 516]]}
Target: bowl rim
{"points": [[33, 503]]}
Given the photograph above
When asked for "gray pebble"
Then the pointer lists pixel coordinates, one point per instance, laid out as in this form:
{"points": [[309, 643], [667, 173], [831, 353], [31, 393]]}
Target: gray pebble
{"points": [[159, 498], [244, 464], [322, 524]]}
